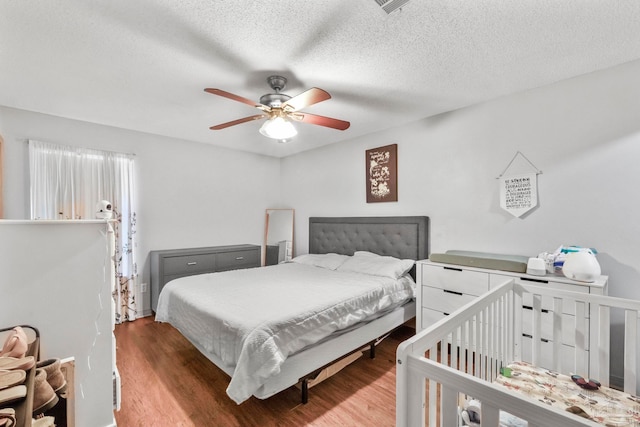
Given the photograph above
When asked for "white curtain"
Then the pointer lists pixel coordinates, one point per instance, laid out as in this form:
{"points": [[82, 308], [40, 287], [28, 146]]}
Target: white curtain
{"points": [[68, 182]]}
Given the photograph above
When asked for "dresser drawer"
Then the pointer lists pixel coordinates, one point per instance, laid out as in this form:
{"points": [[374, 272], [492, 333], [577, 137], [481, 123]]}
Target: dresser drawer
{"points": [[429, 317], [546, 326], [566, 356], [444, 300], [237, 259], [547, 301], [455, 279], [188, 264]]}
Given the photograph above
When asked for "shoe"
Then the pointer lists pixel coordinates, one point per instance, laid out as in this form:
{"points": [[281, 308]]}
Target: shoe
{"points": [[7, 417], [11, 378], [12, 394], [16, 344], [8, 363], [44, 398], [54, 375]]}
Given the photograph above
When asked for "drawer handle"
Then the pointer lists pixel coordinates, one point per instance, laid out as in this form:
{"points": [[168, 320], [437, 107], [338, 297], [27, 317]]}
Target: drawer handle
{"points": [[451, 268], [528, 307], [534, 280], [452, 292], [239, 258], [192, 263], [531, 336], [446, 314]]}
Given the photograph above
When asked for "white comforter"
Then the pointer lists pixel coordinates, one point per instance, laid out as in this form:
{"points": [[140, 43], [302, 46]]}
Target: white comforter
{"points": [[253, 319]]}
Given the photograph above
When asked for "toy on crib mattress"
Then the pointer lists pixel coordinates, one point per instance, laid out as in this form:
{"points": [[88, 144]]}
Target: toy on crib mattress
{"points": [[471, 412]]}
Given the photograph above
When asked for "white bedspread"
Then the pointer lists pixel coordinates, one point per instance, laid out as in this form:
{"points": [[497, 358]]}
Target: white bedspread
{"points": [[253, 319]]}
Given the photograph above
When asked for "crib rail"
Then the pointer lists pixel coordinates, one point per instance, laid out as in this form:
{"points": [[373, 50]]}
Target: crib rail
{"points": [[463, 353]]}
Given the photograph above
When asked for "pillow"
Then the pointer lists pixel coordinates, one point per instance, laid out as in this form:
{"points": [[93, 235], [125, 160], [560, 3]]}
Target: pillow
{"points": [[330, 261], [364, 253], [376, 265]]}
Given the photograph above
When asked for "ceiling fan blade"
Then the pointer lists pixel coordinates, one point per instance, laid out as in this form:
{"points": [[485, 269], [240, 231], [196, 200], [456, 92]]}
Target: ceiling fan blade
{"points": [[320, 120], [305, 99], [238, 98], [239, 121]]}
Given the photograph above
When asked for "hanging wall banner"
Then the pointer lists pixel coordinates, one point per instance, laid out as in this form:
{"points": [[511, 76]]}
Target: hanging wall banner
{"points": [[519, 193]]}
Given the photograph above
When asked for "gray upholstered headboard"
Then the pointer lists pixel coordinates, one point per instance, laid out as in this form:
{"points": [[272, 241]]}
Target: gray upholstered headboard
{"points": [[405, 237]]}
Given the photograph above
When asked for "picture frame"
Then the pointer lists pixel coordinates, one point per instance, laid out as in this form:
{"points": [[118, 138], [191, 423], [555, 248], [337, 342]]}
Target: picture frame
{"points": [[381, 168]]}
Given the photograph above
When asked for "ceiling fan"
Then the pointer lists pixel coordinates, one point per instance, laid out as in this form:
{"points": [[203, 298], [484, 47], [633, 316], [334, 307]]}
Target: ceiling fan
{"points": [[281, 110]]}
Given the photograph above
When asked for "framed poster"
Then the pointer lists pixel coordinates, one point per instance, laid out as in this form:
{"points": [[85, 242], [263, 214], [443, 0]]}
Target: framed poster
{"points": [[382, 174]]}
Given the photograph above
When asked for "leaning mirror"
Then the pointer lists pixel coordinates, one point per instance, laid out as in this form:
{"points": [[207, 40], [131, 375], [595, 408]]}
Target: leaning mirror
{"points": [[278, 236]]}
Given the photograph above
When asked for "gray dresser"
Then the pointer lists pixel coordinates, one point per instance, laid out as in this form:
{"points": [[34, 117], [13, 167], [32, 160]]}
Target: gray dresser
{"points": [[170, 264]]}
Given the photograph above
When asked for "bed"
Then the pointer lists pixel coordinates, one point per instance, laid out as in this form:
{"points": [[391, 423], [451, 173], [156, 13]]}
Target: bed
{"points": [[464, 357], [306, 314]]}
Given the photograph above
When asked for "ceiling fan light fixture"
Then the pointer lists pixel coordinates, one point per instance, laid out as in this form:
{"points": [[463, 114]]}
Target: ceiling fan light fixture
{"points": [[278, 128]]}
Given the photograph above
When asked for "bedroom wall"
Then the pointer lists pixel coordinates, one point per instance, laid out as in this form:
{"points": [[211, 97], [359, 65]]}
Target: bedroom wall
{"points": [[189, 194], [47, 298], [583, 133]]}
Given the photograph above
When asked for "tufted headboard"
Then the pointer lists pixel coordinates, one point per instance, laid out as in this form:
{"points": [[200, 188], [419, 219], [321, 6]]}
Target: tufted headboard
{"points": [[405, 237]]}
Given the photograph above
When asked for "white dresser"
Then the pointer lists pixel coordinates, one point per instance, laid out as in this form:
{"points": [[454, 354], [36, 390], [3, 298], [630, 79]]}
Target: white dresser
{"points": [[443, 288]]}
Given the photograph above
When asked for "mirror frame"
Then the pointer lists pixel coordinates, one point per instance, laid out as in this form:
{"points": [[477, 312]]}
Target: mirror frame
{"points": [[266, 231]]}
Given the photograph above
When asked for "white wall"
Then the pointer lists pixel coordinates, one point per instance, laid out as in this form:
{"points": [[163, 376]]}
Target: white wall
{"points": [[54, 279], [584, 134], [189, 194]]}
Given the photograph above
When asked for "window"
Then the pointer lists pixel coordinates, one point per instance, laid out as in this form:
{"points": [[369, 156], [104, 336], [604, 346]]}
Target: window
{"points": [[67, 183]]}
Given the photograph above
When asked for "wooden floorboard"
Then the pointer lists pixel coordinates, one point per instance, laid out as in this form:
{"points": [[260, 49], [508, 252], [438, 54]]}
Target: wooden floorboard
{"points": [[167, 382]]}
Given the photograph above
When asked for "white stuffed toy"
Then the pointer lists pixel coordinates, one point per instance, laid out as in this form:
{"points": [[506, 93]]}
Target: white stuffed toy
{"points": [[104, 210], [470, 414]]}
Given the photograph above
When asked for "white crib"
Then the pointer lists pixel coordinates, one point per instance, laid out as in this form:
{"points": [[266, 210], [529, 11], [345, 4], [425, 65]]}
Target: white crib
{"points": [[463, 354]]}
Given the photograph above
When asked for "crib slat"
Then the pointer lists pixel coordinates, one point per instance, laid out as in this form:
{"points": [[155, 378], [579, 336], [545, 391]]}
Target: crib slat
{"points": [[433, 388], [490, 416], [536, 354], [579, 349], [630, 344], [449, 407], [557, 333], [600, 353], [515, 312], [415, 400]]}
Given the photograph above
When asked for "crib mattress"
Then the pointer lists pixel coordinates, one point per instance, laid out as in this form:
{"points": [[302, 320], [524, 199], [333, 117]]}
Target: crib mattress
{"points": [[515, 263], [605, 406]]}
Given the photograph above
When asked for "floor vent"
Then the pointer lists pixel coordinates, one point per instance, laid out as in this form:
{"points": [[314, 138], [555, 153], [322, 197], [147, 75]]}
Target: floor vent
{"points": [[117, 397], [391, 5]]}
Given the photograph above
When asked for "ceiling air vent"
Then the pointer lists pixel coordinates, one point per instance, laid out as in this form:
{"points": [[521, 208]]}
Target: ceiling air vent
{"points": [[391, 5]]}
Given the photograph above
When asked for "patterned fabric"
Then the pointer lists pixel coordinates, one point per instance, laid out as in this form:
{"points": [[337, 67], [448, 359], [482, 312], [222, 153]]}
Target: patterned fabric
{"points": [[605, 405], [126, 268]]}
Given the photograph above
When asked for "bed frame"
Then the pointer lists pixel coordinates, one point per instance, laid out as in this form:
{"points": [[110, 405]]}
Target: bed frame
{"points": [[464, 359], [405, 237]]}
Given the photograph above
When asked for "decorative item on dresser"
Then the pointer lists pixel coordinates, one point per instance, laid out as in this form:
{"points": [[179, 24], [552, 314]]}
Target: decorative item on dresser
{"points": [[447, 287], [170, 264]]}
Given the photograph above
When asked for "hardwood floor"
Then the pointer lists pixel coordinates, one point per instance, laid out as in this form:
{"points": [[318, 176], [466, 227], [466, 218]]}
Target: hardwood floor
{"points": [[167, 382]]}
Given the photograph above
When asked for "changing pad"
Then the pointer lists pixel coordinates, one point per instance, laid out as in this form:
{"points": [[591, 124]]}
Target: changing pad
{"points": [[515, 263]]}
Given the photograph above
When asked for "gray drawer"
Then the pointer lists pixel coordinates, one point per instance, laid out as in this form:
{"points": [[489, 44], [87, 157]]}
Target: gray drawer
{"points": [[189, 264], [237, 259]]}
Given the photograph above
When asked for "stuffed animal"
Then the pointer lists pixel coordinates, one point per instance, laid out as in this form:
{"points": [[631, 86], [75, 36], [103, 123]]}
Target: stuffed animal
{"points": [[104, 210], [471, 413]]}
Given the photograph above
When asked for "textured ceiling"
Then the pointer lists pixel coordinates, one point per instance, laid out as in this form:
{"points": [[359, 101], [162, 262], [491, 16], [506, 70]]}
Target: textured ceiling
{"points": [[143, 64]]}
